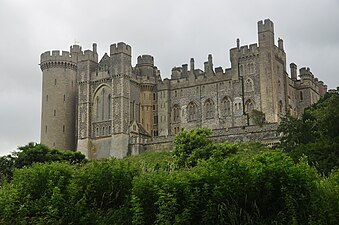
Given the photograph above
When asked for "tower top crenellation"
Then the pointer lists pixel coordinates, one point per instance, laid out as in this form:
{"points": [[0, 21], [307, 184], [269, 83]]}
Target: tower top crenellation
{"points": [[266, 25], [121, 47], [56, 55], [145, 60]]}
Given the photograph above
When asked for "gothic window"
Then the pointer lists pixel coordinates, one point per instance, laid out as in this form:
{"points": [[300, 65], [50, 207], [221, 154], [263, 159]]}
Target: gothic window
{"points": [[249, 85], [192, 111], [252, 68], [226, 104], [176, 113], [109, 108], [103, 104], [280, 107], [249, 106], [209, 109], [97, 107]]}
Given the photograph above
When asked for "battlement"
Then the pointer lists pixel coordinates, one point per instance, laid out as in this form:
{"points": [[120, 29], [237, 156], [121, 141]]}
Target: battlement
{"points": [[249, 49], [305, 73], [145, 60], [56, 55], [121, 47], [266, 25], [88, 55]]}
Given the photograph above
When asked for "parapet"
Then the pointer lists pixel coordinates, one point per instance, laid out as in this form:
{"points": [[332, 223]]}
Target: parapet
{"points": [[121, 47], [56, 55], [145, 60], [266, 25], [305, 72]]}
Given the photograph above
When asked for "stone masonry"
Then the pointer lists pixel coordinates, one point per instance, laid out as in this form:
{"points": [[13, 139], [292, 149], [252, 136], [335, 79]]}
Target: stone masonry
{"points": [[109, 108]]}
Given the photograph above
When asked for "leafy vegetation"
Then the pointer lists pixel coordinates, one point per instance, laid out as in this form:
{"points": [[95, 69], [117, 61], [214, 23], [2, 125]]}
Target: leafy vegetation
{"points": [[315, 135], [199, 182]]}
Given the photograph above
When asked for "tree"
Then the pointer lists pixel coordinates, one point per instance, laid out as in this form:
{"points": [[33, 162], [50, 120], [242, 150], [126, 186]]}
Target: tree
{"points": [[6, 167], [194, 145], [315, 135], [33, 152]]}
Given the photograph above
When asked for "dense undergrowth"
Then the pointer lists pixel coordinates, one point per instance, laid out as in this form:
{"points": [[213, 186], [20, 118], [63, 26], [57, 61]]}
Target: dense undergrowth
{"points": [[198, 182], [249, 184]]}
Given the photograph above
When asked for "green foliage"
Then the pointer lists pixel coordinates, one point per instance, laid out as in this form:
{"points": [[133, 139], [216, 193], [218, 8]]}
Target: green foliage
{"points": [[32, 152], [258, 117], [6, 168], [257, 186], [36, 153], [268, 189], [316, 135], [194, 145]]}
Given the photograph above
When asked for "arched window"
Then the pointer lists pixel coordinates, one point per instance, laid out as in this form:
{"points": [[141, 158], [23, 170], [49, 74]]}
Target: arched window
{"points": [[176, 113], [109, 108], [249, 85], [97, 107], [249, 106], [226, 104], [280, 107], [192, 111], [209, 109], [103, 104], [241, 69]]}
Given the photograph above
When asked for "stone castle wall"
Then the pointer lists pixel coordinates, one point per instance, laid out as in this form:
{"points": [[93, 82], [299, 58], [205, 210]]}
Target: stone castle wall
{"points": [[110, 108]]}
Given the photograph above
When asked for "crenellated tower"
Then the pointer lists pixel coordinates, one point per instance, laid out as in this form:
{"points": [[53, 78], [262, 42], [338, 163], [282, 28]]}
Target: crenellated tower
{"points": [[148, 99], [121, 71], [59, 91]]}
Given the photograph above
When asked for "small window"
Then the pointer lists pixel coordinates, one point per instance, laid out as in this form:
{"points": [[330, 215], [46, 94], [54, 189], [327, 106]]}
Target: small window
{"points": [[153, 107], [55, 81], [46, 129], [63, 128], [301, 96], [46, 98], [54, 112], [64, 97]]}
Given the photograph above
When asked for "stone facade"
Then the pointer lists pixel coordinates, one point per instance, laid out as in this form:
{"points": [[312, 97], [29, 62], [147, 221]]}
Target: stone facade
{"points": [[110, 108]]}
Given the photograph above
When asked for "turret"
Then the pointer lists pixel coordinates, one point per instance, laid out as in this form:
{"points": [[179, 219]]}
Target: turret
{"points": [[58, 112], [120, 59], [145, 63], [192, 65], [305, 74], [208, 66], [265, 33], [121, 70], [293, 68], [281, 44]]}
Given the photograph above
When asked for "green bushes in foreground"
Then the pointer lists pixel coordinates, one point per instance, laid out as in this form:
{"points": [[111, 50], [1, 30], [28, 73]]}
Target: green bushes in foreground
{"points": [[267, 188]]}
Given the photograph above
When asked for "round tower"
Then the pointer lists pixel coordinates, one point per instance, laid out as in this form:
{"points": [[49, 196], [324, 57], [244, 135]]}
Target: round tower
{"points": [[58, 111]]}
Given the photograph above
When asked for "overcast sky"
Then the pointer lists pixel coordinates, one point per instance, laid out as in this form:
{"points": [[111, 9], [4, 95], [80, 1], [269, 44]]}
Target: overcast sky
{"points": [[172, 31]]}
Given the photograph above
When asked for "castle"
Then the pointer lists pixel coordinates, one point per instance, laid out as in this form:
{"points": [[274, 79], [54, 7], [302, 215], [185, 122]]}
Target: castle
{"points": [[110, 108]]}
